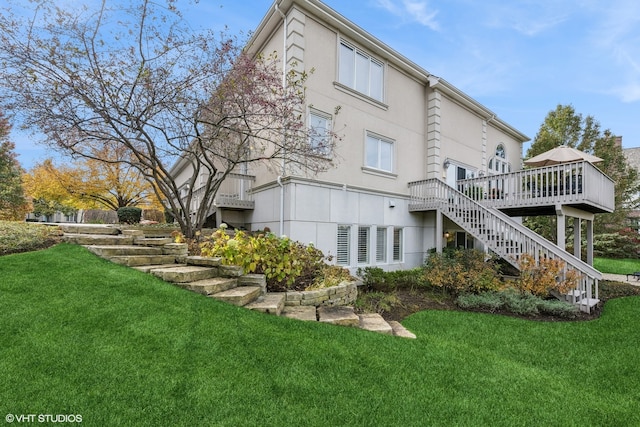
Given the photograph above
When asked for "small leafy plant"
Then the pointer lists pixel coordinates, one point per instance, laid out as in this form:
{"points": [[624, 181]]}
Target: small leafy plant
{"points": [[285, 263], [461, 271], [544, 276]]}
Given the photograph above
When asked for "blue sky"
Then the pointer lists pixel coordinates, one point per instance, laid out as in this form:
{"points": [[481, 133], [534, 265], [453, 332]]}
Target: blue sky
{"points": [[518, 58]]}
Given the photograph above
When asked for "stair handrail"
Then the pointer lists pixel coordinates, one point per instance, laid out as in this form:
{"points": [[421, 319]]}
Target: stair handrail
{"points": [[441, 199]]}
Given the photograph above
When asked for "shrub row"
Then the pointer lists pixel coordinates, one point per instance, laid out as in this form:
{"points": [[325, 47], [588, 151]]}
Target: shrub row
{"points": [[514, 301]]}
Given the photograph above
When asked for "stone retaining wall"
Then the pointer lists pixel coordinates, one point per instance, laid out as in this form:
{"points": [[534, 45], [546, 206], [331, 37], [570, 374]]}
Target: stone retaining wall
{"points": [[343, 294]]}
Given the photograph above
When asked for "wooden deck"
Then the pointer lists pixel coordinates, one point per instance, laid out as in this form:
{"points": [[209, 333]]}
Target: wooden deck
{"points": [[537, 191]]}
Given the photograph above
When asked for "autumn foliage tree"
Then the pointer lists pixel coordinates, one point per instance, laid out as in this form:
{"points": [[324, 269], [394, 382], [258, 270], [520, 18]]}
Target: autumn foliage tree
{"points": [[13, 205], [159, 90]]}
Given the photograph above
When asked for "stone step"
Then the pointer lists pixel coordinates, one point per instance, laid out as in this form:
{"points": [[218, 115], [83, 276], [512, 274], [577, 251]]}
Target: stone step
{"points": [[338, 315], [152, 241], [122, 250], [184, 274], [94, 239], [90, 229], [212, 286], [202, 261], [148, 268], [401, 331], [240, 296], [300, 312], [271, 303], [139, 260], [375, 323]]}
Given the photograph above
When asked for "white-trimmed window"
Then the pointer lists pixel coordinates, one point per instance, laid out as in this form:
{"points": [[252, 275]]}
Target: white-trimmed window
{"points": [[319, 131], [361, 72], [363, 245], [499, 163], [398, 244], [378, 153], [343, 251], [381, 245]]}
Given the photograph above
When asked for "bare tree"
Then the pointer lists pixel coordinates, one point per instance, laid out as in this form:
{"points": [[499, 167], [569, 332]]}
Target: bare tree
{"points": [[137, 76]]}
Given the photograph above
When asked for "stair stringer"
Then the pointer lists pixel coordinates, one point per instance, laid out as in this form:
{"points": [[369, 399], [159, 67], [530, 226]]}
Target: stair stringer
{"points": [[509, 239]]}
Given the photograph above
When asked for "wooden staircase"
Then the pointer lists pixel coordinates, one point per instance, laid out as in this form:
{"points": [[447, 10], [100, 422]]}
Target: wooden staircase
{"points": [[207, 276], [507, 238]]}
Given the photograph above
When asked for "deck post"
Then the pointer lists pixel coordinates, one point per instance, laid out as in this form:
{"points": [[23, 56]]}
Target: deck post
{"points": [[577, 238], [560, 229], [590, 242], [439, 231]]}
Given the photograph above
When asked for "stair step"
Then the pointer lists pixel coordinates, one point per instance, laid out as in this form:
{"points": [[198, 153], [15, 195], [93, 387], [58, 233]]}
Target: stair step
{"points": [[375, 323], [271, 303], [202, 261], [212, 286], [300, 312], [240, 296], [90, 229], [152, 241], [401, 331], [338, 315], [122, 250], [140, 260], [184, 274], [148, 268], [93, 239], [586, 304], [574, 296]]}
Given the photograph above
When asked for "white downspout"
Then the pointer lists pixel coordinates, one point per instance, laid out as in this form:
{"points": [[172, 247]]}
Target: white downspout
{"points": [[284, 83]]}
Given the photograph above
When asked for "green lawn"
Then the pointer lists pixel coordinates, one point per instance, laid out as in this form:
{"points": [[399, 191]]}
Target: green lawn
{"points": [[80, 335], [617, 266]]}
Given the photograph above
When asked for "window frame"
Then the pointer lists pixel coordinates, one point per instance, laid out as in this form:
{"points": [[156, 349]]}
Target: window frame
{"points": [[381, 245], [343, 245], [363, 248], [348, 71], [317, 148], [380, 140], [398, 244]]}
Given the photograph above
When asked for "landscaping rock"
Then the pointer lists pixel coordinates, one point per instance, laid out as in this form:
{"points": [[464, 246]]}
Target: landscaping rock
{"points": [[307, 313], [401, 331], [271, 303], [375, 323], [341, 315]]}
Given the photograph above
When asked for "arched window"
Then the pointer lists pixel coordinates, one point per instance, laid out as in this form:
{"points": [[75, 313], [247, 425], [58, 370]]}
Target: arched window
{"points": [[499, 163]]}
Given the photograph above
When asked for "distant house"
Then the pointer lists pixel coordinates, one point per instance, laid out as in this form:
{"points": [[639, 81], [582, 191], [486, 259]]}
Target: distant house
{"points": [[422, 165]]}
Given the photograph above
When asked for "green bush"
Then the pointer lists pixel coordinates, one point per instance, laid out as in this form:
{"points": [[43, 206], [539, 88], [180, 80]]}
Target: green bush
{"points": [[129, 215], [513, 301], [623, 244], [461, 271], [490, 301], [376, 279], [377, 302], [285, 263]]}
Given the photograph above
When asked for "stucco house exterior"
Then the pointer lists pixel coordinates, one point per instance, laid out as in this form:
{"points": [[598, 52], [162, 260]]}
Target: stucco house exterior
{"points": [[410, 141]]}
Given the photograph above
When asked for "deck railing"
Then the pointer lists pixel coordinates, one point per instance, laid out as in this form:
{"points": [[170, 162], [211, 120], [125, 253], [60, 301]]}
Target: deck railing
{"points": [[500, 233], [565, 184], [235, 192]]}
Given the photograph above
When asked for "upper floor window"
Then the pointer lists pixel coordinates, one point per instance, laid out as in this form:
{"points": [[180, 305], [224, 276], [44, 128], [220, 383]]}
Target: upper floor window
{"points": [[499, 162], [379, 153], [319, 131], [361, 72]]}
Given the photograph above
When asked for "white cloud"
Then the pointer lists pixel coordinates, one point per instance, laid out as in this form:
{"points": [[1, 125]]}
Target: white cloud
{"points": [[529, 19], [412, 11], [616, 39], [420, 12]]}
